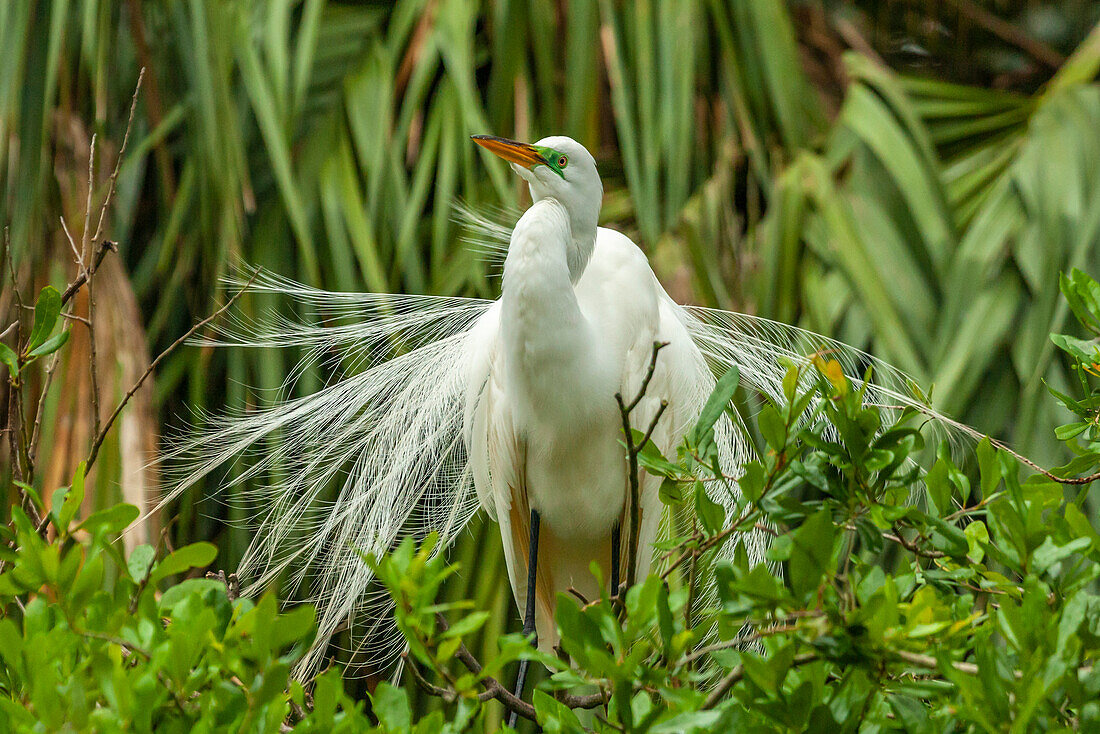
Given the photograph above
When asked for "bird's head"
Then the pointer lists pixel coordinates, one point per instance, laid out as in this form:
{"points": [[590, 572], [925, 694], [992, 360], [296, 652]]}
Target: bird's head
{"points": [[556, 167]]}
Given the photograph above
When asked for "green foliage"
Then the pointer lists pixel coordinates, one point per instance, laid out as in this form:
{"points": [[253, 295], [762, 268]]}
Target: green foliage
{"points": [[47, 310], [973, 608], [89, 643]]}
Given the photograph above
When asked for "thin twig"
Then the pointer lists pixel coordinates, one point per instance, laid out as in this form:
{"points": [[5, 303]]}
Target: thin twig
{"points": [[104, 247], [11, 268], [573, 590], [64, 315], [488, 682], [113, 179], [632, 452], [232, 583], [781, 627], [447, 694], [153, 365], [93, 360], [17, 433], [86, 243], [72, 244], [1061, 480], [13, 433], [657, 347], [653, 423], [913, 547], [125, 644], [495, 690]]}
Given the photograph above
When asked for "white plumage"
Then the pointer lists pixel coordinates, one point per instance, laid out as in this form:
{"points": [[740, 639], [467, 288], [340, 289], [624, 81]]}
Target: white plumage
{"points": [[450, 404]]}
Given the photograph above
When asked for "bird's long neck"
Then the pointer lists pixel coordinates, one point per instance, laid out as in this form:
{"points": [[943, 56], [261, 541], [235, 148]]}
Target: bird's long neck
{"points": [[542, 325]]}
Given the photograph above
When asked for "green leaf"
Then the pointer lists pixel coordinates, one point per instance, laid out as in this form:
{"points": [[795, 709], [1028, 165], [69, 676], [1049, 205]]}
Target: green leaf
{"points": [[111, 520], [46, 310], [181, 591], [719, 398], [811, 552], [670, 492], [772, 427], [939, 488], [141, 558], [711, 515], [553, 715], [73, 497], [467, 625], [1050, 553], [294, 626], [51, 345], [191, 556], [946, 537], [988, 466], [752, 480], [1081, 350], [10, 358], [977, 537], [651, 459], [1070, 430], [391, 705], [30, 492]]}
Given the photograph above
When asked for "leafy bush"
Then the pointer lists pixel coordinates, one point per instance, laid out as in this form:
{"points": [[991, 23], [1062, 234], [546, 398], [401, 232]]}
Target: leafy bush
{"points": [[973, 608], [88, 642]]}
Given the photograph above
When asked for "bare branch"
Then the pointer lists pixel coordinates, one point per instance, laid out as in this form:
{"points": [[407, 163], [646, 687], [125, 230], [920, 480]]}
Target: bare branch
{"points": [[232, 583], [82, 277], [447, 694], [491, 685], [632, 452], [72, 246], [11, 269], [657, 347], [111, 182], [88, 204], [93, 359]]}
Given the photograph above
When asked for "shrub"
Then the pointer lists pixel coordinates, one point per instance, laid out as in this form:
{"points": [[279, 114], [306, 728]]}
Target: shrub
{"points": [[972, 607]]}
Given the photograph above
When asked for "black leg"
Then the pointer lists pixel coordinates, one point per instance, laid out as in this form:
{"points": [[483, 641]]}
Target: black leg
{"points": [[529, 612], [615, 550]]}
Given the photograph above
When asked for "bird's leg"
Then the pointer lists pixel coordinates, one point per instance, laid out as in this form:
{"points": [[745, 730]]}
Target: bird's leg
{"points": [[615, 550], [529, 612]]}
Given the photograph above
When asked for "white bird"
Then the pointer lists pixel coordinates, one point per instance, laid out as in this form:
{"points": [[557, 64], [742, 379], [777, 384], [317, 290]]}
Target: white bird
{"points": [[451, 404]]}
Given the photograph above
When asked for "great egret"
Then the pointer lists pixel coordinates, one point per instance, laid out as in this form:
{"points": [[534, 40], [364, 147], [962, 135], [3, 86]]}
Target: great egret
{"points": [[451, 404]]}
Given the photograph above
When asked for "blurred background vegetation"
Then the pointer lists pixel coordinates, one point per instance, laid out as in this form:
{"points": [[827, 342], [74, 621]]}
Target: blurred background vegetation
{"points": [[908, 176]]}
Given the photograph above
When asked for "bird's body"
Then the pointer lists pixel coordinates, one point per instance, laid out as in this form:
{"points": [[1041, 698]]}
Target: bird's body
{"points": [[451, 404], [547, 422]]}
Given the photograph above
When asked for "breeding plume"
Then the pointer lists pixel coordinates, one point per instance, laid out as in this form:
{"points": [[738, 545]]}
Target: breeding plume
{"points": [[448, 405]]}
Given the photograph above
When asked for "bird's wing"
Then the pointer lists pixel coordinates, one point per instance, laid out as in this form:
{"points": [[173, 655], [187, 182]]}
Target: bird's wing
{"points": [[356, 466], [498, 455]]}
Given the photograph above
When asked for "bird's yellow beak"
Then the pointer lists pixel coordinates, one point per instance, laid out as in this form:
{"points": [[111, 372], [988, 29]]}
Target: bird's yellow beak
{"points": [[524, 154]]}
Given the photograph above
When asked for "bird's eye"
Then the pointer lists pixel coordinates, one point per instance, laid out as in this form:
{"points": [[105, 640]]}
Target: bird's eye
{"points": [[563, 161]]}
